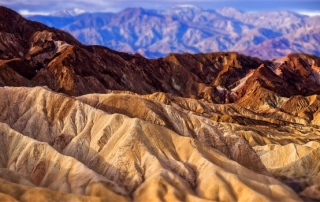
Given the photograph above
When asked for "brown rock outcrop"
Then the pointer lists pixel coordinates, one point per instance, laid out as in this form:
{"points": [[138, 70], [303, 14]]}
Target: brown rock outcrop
{"points": [[48, 57]]}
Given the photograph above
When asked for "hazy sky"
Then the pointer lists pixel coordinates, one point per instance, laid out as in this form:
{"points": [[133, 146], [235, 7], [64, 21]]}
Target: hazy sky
{"points": [[51, 6]]}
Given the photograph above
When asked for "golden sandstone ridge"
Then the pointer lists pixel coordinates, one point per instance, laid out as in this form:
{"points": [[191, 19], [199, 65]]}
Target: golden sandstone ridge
{"points": [[86, 123], [80, 149]]}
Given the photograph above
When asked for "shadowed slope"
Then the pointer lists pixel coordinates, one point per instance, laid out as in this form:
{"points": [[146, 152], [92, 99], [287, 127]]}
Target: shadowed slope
{"points": [[36, 55]]}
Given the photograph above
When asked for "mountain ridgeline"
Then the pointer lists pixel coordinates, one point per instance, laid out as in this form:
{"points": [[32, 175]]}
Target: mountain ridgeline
{"points": [[156, 33], [49, 57], [87, 123]]}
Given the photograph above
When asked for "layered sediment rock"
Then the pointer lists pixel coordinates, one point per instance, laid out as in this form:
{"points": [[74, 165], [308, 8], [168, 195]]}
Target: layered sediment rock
{"points": [[76, 148], [110, 126]]}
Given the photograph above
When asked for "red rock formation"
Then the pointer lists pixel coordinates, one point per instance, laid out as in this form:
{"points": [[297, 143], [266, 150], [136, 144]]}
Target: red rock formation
{"points": [[33, 54]]}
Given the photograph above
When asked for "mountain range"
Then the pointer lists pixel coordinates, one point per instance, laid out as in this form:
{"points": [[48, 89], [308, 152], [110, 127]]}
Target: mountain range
{"points": [[88, 123], [156, 33]]}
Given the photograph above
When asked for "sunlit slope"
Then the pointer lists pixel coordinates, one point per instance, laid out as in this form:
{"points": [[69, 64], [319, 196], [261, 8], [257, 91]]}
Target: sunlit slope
{"points": [[79, 149]]}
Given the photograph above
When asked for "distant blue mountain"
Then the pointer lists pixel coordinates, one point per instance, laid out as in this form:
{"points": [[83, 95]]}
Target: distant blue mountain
{"points": [[155, 33]]}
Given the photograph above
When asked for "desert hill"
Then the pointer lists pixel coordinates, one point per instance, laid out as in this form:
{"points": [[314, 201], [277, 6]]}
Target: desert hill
{"points": [[55, 59], [87, 123]]}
